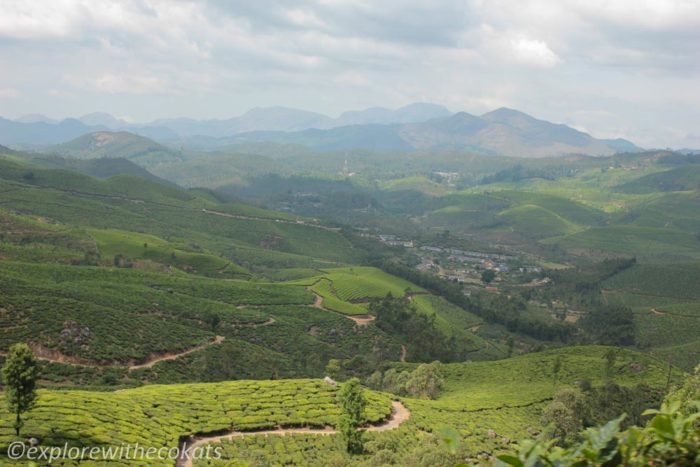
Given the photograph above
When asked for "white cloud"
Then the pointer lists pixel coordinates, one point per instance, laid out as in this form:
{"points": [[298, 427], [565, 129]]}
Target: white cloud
{"points": [[34, 19], [533, 52]]}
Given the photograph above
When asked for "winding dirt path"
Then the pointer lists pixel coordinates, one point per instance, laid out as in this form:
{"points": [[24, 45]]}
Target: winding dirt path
{"points": [[173, 356], [51, 355], [318, 301], [360, 320], [269, 322], [404, 351], [399, 414]]}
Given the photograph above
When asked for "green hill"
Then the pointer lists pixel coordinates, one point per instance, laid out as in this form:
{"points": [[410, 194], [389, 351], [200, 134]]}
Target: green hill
{"points": [[685, 178], [186, 217], [122, 144], [534, 221], [658, 244], [99, 168]]}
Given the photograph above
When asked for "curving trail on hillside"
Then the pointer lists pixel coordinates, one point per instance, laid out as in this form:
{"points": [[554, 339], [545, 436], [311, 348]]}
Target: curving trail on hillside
{"points": [[399, 414], [173, 356], [53, 356], [360, 320]]}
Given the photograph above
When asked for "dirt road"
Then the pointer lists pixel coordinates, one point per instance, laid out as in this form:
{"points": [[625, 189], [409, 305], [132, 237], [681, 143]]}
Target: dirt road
{"points": [[399, 414]]}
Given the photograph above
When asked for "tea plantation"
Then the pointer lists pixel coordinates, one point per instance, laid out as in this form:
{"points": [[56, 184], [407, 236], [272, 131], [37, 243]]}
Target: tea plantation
{"points": [[162, 415], [490, 404], [347, 290], [666, 302]]}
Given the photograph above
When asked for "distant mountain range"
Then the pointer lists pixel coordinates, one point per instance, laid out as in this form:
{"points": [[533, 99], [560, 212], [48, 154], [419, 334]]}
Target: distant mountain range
{"points": [[258, 119], [503, 131], [419, 126]]}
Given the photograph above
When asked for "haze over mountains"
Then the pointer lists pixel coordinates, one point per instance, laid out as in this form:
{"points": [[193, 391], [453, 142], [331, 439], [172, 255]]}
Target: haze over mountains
{"points": [[419, 126]]}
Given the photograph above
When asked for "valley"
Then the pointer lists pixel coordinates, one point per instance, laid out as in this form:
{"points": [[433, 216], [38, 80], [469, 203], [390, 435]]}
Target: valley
{"points": [[163, 315]]}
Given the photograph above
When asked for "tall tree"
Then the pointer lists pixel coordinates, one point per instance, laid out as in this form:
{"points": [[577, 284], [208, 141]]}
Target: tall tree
{"points": [[19, 375], [352, 402]]}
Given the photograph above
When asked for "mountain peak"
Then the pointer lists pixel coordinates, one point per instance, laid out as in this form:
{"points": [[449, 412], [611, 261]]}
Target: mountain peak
{"points": [[505, 114]]}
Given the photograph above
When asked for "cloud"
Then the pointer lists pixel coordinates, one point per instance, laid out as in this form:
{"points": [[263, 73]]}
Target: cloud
{"points": [[558, 60], [533, 52], [122, 83]]}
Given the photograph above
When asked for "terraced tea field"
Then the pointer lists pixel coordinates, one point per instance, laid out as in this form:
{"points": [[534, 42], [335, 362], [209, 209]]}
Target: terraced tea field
{"points": [[666, 302], [163, 415], [123, 311], [347, 290]]}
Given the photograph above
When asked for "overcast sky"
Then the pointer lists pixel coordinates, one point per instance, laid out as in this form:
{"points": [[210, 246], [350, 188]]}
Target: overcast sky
{"points": [[627, 68]]}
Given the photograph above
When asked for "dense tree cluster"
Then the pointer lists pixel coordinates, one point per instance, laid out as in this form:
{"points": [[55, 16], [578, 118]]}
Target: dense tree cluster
{"points": [[397, 316], [500, 310], [574, 409], [610, 325], [518, 173], [424, 382]]}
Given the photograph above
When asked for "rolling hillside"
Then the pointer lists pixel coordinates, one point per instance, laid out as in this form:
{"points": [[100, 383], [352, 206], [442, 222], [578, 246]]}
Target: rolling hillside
{"points": [[167, 285], [685, 178], [124, 145]]}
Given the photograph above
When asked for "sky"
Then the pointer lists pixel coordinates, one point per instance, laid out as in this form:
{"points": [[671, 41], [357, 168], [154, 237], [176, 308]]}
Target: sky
{"points": [[613, 68]]}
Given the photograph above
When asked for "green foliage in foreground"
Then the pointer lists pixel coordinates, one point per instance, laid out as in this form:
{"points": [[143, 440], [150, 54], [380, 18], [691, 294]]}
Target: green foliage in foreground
{"points": [[671, 437]]}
